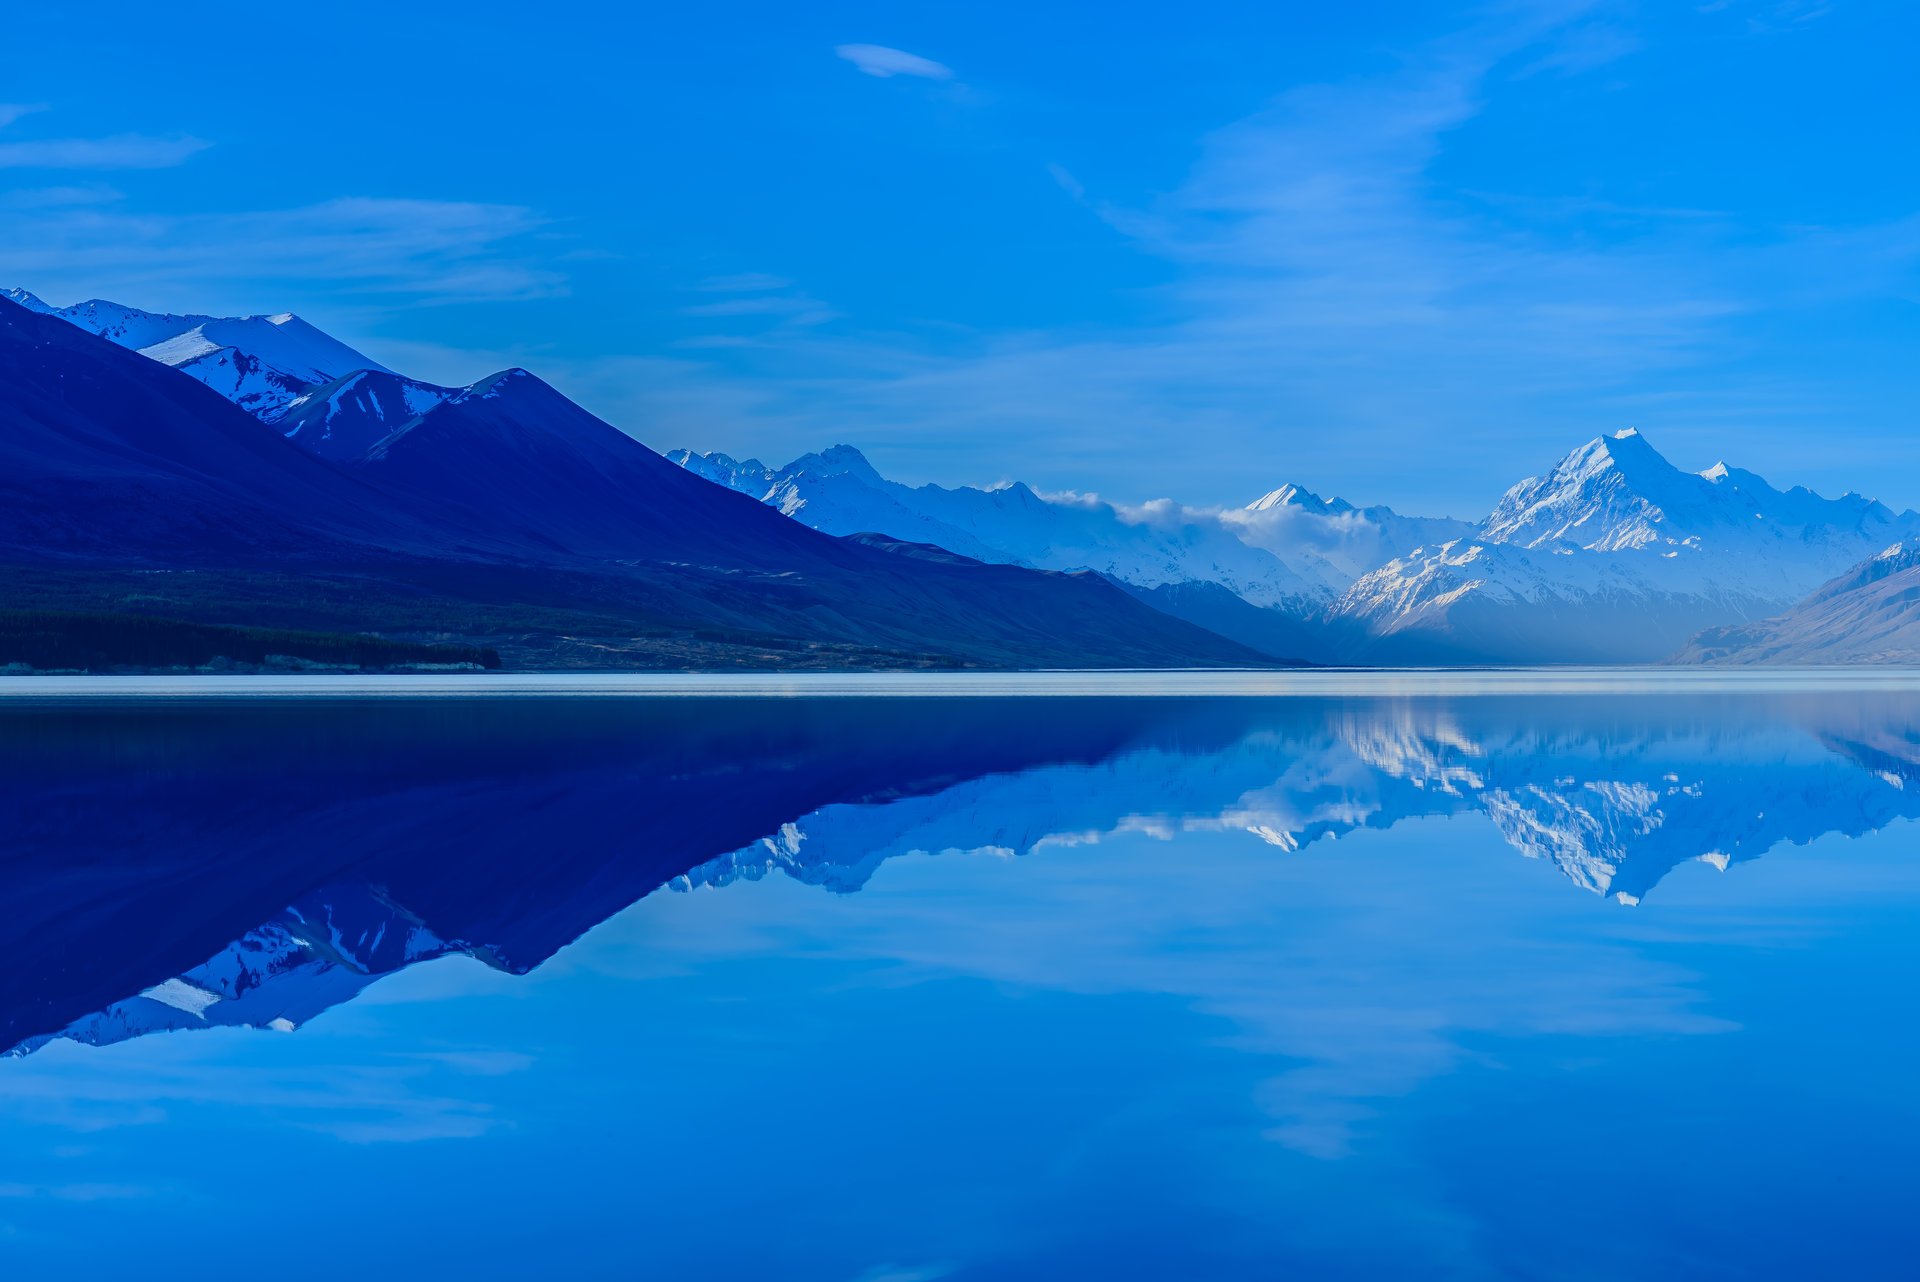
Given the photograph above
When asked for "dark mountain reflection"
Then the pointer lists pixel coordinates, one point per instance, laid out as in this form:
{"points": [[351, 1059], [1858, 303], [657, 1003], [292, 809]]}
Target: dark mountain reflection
{"points": [[178, 867]]}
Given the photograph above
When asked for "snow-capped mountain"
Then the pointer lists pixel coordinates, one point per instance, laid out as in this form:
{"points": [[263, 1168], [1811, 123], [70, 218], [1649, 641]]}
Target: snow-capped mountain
{"points": [[1340, 540], [1870, 614], [839, 492], [345, 418], [1615, 555], [260, 363], [15, 294]]}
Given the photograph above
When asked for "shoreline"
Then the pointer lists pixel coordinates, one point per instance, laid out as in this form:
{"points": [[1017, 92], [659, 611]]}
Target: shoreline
{"points": [[1080, 683]]}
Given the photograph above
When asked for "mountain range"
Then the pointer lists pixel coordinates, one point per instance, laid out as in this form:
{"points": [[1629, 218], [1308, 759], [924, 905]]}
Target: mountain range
{"points": [[1613, 555], [500, 510], [503, 513]]}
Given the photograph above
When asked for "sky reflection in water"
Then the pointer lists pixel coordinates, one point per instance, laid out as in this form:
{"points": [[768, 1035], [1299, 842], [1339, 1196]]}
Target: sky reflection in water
{"points": [[1478, 987]]}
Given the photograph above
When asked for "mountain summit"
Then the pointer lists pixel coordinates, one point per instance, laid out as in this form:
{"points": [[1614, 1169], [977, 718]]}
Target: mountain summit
{"points": [[1615, 555], [1617, 493], [260, 363]]}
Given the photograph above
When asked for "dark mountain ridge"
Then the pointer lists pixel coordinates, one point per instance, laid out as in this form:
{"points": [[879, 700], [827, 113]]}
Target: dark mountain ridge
{"points": [[114, 465]]}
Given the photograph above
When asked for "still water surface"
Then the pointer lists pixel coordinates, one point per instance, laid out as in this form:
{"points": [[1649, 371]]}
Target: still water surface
{"points": [[1497, 982]]}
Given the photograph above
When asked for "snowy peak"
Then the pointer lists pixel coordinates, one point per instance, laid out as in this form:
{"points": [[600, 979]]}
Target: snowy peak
{"points": [[1614, 492], [260, 363], [837, 460], [1898, 559], [26, 300], [749, 476], [1617, 493], [1294, 496], [508, 383]]}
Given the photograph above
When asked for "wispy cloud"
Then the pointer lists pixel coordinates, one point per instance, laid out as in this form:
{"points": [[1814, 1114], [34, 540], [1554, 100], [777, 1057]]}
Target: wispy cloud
{"points": [[753, 294], [12, 111], [76, 1192], [1764, 17], [57, 197], [743, 282], [879, 60], [1584, 48], [122, 151], [408, 251]]}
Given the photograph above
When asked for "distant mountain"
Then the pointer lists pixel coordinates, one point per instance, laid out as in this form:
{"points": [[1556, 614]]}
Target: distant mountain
{"points": [[1614, 555], [839, 492], [112, 464], [1332, 537], [260, 363], [1282, 634], [20, 296], [1870, 614]]}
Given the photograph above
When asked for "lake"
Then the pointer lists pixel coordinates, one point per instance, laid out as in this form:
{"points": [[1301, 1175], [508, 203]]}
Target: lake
{"points": [[1557, 975]]}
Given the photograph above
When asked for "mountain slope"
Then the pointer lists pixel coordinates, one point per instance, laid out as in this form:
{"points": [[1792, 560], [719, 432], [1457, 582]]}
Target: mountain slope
{"points": [[514, 457], [1871, 614]]}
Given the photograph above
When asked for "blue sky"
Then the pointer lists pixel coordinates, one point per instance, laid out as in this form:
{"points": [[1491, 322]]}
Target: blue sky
{"points": [[1404, 252]]}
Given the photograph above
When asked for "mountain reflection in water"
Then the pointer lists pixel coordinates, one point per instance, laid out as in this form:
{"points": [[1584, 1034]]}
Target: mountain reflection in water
{"points": [[182, 867]]}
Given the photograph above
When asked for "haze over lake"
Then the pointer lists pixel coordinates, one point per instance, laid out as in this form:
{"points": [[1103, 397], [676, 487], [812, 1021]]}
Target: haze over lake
{"points": [[1595, 975]]}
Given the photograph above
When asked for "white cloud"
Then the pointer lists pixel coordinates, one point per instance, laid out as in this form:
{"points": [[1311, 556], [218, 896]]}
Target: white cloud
{"points": [[122, 151], [12, 111], [878, 60]]}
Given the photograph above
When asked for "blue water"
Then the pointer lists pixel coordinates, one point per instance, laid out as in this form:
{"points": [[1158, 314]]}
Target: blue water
{"points": [[1507, 985]]}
